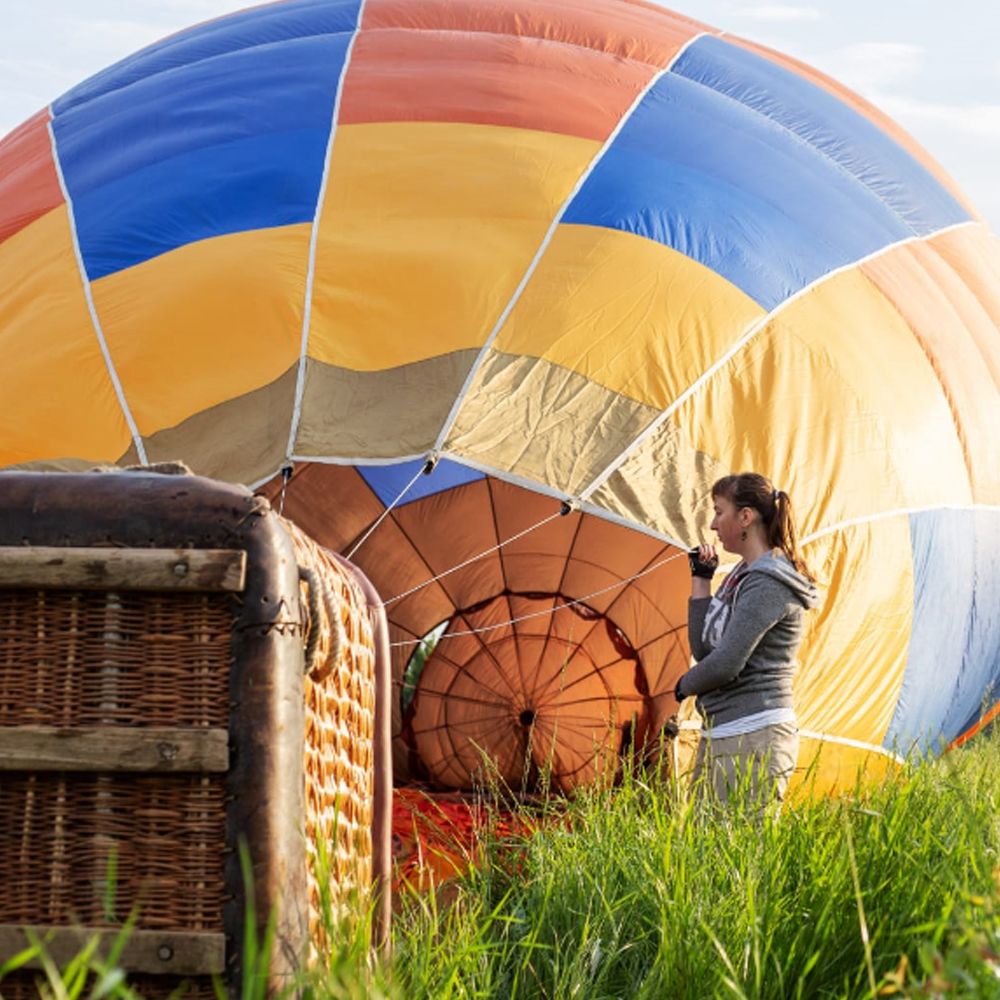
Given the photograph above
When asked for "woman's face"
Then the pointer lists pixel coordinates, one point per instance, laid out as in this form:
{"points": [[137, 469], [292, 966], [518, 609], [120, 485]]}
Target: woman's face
{"points": [[726, 523]]}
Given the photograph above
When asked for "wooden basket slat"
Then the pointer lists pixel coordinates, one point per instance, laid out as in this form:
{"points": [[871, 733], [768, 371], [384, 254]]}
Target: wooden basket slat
{"points": [[113, 749], [190, 953], [93, 568]]}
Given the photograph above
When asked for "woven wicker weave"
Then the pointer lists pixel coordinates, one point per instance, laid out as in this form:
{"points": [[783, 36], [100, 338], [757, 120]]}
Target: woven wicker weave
{"points": [[78, 659], [73, 658], [130, 660], [340, 729]]}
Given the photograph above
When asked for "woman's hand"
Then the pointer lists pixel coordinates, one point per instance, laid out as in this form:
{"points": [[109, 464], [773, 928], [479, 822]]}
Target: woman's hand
{"points": [[704, 563]]}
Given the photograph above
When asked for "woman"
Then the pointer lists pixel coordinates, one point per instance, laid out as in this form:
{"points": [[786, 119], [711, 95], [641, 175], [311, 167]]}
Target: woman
{"points": [[744, 640]]}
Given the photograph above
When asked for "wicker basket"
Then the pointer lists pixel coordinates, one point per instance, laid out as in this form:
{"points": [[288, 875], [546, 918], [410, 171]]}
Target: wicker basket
{"points": [[181, 673]]}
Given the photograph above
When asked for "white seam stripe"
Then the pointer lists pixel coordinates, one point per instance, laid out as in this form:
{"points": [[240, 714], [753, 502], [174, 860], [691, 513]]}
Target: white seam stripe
{"points": [[88, 296], [886, 514], [756, 328], [540, 252], [300, 377], [847, 742]]}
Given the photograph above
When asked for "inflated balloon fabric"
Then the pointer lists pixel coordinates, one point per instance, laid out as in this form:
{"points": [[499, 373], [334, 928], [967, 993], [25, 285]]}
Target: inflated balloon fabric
{"points": [[591, 252]]}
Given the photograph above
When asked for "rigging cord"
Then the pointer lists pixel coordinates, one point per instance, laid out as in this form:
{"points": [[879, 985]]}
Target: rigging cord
{"points": [[286, 475], [547, 611], [565, 509], [425, 470]]}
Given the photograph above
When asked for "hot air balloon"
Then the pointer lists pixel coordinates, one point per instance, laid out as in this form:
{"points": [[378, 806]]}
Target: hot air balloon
{"points": [[503, 288]]}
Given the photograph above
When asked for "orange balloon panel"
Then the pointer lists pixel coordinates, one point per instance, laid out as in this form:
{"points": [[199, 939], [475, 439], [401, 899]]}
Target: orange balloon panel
{"points": [[493, 560], [555, 692]]}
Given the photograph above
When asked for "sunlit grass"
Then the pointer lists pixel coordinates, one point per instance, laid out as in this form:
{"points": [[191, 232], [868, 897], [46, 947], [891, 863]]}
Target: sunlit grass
{"points": [[633, 896], [623, 892]]}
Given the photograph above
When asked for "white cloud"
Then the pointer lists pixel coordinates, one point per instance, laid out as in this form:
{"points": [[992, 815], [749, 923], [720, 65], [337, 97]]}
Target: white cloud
{"points": [[980, 121], [778, 12], [111, 38], [871, 66]]}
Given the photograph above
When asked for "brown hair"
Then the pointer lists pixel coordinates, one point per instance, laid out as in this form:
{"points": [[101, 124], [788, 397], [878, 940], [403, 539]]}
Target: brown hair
{"points": [[750, 489]]}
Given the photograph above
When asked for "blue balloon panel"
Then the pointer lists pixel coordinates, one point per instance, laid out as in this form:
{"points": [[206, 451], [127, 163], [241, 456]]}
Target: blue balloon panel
{"points": [[954, 652], [856, 145], [711, 178], [388, 481]]}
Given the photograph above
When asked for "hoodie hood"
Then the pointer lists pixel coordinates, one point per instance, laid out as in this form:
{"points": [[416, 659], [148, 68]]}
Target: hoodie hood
{"points": [[778, 567]]}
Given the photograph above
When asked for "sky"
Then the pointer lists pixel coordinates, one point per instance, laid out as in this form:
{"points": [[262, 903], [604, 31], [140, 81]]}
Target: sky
{"points": [[932, 65]]}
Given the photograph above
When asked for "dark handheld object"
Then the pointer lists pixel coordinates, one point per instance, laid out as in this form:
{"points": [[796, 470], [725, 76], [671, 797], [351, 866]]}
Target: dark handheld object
{"points": [[705, 570]]}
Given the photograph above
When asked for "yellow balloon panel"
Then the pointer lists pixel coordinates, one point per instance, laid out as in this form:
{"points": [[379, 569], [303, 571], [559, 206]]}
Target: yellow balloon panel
{"points": [[631, 314], [836, 401], [53, 371], [832, 767], [426, 231], [665, 483], [206, 322], [855, 648]]}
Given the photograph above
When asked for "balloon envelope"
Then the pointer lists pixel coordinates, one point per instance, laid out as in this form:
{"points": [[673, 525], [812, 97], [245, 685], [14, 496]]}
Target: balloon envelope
{"points": [[594, 253]]}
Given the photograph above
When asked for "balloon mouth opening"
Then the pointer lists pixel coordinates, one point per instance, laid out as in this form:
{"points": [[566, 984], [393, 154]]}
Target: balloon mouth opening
{"points": [[508, 694]]}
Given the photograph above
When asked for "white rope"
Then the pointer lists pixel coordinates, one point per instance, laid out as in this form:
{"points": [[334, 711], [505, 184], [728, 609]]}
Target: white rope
{"points": [[406, 489], [552, 610], [472, 559]]}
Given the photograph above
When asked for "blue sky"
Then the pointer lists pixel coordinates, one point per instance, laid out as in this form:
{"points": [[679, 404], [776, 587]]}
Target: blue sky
{"points": [[933, 66]]}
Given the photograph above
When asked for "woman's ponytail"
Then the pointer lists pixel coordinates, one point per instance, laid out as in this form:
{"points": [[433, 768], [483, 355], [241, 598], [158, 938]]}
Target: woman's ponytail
{"points": [[781, 533]]}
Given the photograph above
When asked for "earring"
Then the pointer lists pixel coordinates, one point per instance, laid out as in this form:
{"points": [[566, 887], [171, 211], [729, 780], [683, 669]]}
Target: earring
{"points": [[743, 536]]}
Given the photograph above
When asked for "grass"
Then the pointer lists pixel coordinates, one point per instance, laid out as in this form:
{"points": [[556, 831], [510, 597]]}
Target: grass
{"points": [[890, 892], [626, 893]]}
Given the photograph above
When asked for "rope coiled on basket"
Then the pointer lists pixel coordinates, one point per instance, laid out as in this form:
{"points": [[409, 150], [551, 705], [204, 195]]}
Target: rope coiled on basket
{"points": [[323, 628]]}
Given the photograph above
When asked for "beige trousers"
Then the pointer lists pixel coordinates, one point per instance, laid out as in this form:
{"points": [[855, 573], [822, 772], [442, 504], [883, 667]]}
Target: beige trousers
{"points": [[754, 767]]}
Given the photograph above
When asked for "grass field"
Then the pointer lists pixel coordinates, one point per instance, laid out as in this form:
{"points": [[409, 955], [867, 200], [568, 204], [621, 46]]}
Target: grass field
{"points": [[626, 893]]}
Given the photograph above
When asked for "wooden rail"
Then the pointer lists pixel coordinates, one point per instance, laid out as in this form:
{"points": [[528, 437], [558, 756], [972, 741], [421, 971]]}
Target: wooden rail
{"points": [[91, 568], [182, 953], [113, 749]]}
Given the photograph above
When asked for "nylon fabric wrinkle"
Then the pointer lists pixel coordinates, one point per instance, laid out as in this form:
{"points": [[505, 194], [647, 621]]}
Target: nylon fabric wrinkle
{"points": [[539, 40], [724, 63], [815, 149], [187, 37], [753, 331], [935, 367], [621, 331]]}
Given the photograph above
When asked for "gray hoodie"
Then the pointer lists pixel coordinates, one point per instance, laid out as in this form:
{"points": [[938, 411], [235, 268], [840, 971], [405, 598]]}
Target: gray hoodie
{"points": [[745, 639]]}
